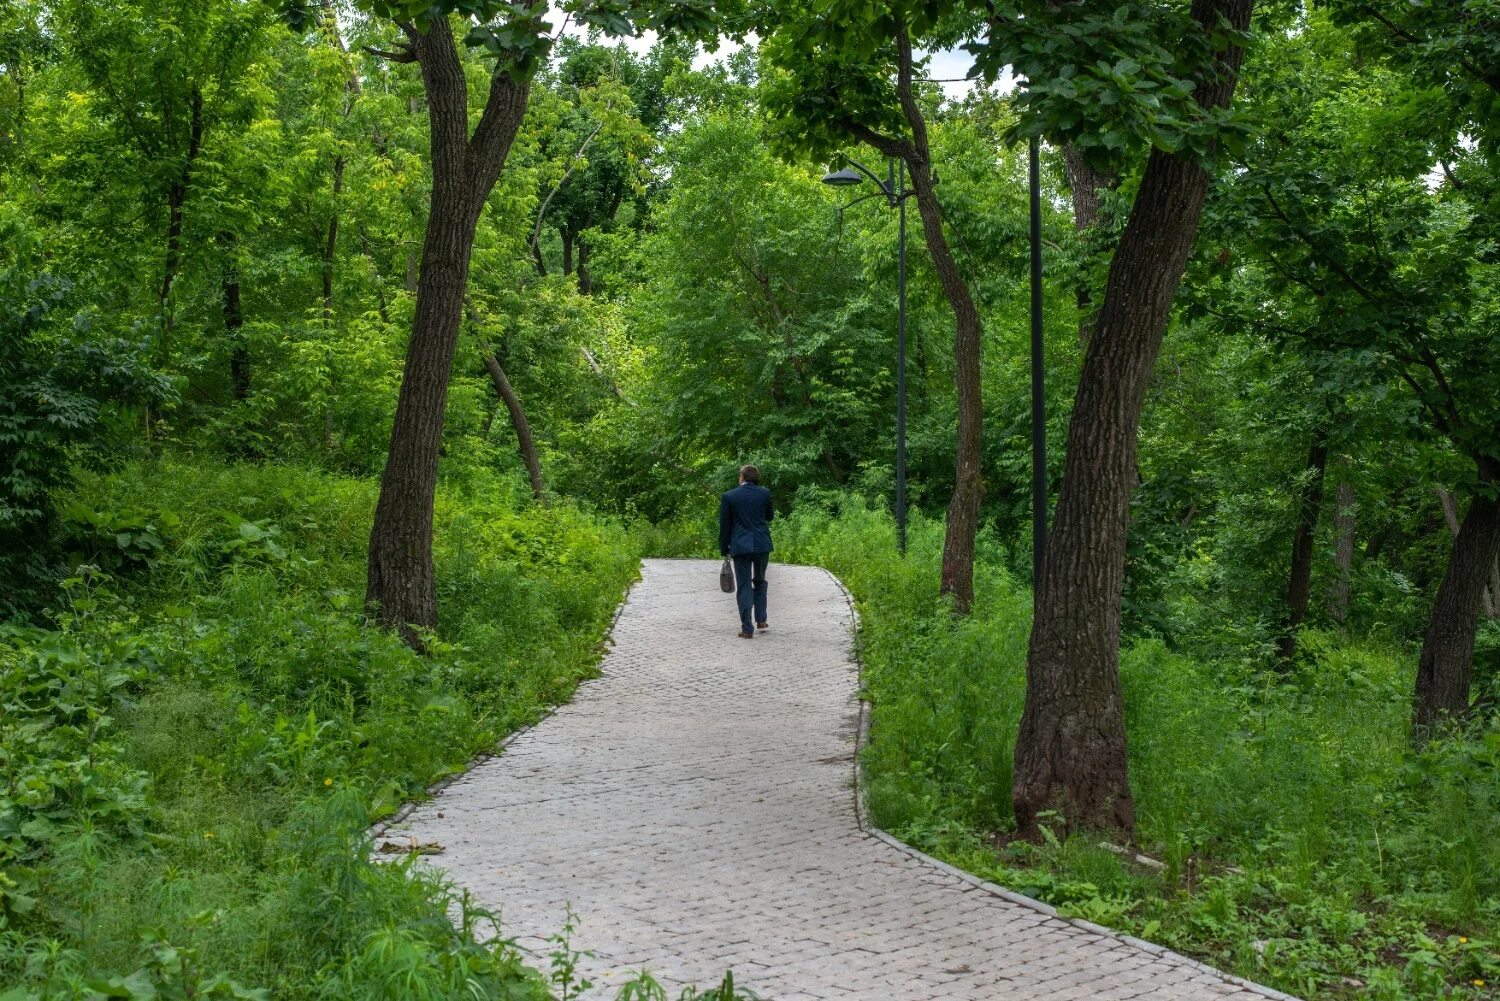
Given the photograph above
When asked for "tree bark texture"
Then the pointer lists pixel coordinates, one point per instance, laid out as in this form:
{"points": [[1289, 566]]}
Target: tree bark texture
{"points": [[1446, 663], [234, 322], [968, 483], [1299, 580], [1450, 515], [400, 587], [1345, 523], [1071, 751], [585, 279], [525, 443]]}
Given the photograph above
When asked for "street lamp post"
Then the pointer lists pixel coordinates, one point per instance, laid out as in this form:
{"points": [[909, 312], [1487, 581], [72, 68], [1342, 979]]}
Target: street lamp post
{"points": [[896, 198], [895, 194]]}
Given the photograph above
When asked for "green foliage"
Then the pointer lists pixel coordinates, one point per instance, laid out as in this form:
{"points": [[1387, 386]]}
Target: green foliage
{"points": [[59, 747], [59, 384], [1304, 844], [522, 38], [200, 726], [1111, 78], [192, 753]]}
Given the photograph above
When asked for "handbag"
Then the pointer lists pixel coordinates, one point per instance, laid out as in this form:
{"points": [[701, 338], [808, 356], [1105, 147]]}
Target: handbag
{"points": [[726, 577]]}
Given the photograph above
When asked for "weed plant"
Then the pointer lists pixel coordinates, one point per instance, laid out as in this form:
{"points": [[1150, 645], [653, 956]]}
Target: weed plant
{"points": [[195, 743], [1302, 842]]}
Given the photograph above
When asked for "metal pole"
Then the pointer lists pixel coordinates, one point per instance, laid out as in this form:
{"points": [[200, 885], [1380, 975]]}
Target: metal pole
{"points": [[1038, 396], [901, 368]]}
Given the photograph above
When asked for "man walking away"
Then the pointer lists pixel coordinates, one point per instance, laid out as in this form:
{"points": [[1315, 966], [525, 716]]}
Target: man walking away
{"points": [[745, 533]]}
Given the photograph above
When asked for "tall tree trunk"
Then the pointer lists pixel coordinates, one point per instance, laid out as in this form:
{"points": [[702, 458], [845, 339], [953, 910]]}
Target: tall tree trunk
{"points": [[1070, 752], [369, 251], [234, 321], [567, 245], [400, 588], [585, 280], [541, 213], [352, 89], [968, 483], [1446, 663], [1494, 590], [176, 199], [526, 443], [331, 241], [1299, 581], [1085, 184], [1344, 525]]}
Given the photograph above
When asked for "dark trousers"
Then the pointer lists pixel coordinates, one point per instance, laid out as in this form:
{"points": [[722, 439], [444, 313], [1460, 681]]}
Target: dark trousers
{"points": [[750, 592]]}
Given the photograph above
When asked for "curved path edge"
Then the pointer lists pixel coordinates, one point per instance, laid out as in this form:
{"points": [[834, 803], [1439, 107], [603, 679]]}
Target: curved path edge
{"points": [[1065, 955], [431, 792], [862, 813]]}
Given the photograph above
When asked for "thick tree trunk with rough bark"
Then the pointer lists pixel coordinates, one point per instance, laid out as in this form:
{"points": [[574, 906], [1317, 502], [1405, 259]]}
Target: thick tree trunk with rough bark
{"points": [[968, 483], [1491, 593], [1299, 581], [1070, 753], [1446, 663], [400, 588]]}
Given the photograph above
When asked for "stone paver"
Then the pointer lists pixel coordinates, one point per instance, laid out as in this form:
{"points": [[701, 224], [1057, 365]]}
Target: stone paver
{"points": [[696, 807]]}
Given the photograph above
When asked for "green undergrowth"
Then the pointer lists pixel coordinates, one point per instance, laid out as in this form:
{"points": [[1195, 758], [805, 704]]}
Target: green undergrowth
{"points": [[197, 735], [1300, 841]]}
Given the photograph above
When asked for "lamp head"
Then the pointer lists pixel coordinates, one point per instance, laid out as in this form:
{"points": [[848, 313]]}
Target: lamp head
{"points": [[842, 178]]}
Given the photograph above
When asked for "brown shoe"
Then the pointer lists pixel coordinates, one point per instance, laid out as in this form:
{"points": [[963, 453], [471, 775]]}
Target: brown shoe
{"points": [[746, 636], [762, 626]]}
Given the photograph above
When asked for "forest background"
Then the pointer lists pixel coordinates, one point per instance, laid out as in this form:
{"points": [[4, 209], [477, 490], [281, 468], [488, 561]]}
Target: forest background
{"points": [[214, 216]]}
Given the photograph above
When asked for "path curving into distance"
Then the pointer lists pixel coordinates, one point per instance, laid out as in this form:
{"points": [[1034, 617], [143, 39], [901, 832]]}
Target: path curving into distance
{"points": [[696, 807]]}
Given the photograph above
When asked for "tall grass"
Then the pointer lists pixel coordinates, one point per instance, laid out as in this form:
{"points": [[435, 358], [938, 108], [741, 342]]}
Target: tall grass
{"points": [[1304, 842], [266, 725]]}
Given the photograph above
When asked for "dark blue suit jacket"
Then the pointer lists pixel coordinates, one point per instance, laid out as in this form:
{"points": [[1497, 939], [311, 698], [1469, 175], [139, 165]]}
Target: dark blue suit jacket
{"points": [[745, 520]]}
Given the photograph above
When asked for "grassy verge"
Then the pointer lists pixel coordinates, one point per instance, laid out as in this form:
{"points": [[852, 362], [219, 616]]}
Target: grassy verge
{"points": [[194, 743], [1303, 844]]}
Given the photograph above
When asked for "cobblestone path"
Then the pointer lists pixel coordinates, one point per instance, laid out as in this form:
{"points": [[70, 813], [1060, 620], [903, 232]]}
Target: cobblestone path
{"points": [[695, 805]]}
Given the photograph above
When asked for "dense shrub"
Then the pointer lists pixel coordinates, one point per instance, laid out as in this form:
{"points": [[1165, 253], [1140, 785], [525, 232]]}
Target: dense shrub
{"points": [[59, 381], [193, 751]]}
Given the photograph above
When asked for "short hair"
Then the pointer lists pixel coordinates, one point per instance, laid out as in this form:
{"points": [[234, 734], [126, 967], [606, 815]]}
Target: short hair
{"points": [[750, 474]]}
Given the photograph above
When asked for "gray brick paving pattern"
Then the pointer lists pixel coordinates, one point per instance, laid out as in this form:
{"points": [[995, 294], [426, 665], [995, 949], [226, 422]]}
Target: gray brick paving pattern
{"points": [[695, 805]]}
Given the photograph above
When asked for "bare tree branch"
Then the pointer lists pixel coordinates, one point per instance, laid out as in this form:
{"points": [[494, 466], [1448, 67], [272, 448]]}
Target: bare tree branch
{"points": [[541, 215], [405, 55]]}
